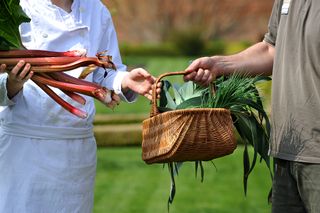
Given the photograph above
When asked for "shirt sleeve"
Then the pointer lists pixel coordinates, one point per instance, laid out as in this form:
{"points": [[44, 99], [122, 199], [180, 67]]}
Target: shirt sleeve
{"points": [[271, 35], [114, 78], [4, 100]]}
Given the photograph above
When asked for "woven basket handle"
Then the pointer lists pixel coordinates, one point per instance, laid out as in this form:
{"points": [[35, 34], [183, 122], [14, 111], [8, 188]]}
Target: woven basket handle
{"points": [[154, 108]]}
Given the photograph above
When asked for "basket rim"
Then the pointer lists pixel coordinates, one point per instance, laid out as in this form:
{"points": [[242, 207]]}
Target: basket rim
{"points": [[190, 110], [196, 110]]}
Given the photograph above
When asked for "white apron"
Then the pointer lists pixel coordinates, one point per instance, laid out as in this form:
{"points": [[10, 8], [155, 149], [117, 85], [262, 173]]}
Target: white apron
{"points": [[47, 155]]}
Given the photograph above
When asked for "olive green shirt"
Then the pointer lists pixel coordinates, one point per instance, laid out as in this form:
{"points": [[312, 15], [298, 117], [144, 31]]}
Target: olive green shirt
{"points": [[294, 30]]}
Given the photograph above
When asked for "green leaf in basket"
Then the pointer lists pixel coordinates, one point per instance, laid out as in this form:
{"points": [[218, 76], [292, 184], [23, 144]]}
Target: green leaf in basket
{"points": [[246, 168], [165, 97], [238, 94], [201, 171], [197, 164], [164, 89], [186, 90], [191, 103], [177, 96], [173, 184]]}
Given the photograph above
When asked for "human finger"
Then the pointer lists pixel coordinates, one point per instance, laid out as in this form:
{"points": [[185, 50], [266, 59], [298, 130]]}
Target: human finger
{"points": [[206, 78], [116, 97], [112, 104], [212, 77], [3, 68], [158, 91], [16, 69], [144, 73], [29, 76], [148, 96], [195, 65], [190, 76], [199, 75], [24, 72]]}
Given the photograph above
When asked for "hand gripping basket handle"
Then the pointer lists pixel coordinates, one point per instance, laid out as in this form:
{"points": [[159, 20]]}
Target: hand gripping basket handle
{"points": [[154, 108]]}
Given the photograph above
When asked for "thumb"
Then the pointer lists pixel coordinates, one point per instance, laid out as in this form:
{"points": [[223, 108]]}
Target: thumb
{"points": [[144, 73], [194, 66]]}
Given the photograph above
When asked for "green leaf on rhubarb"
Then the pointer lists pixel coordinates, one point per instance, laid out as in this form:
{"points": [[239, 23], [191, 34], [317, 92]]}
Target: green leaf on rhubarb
{"points": [[11, 17]]}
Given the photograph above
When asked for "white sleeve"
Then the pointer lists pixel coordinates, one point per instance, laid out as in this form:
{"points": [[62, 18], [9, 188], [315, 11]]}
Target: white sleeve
{"points": [[114, 78], [4, 100]]}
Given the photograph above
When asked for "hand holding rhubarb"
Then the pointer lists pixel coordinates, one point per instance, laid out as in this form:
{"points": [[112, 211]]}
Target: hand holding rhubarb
{"points": [[114, 102], [47, 70], [19, 74], [47, 66]]}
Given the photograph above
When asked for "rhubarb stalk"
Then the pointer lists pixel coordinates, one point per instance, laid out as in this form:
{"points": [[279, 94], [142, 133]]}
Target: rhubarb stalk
{"points": [[61, 102], [40, 53], [49, 67]]}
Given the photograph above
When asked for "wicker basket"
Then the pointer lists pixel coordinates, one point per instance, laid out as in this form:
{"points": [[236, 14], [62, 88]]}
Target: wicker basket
{"points": [[186, 135]]}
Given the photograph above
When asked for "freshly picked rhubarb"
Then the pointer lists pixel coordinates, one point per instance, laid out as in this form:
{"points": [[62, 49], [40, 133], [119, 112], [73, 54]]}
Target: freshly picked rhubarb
{"points": [[49, 66]]}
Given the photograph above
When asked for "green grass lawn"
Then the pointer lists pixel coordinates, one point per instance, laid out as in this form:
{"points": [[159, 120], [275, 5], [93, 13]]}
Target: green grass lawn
{"points": [[125, 184]]}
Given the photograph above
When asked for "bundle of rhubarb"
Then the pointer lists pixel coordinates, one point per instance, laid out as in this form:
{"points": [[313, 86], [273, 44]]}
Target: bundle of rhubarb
{"points": [[48, 66]]}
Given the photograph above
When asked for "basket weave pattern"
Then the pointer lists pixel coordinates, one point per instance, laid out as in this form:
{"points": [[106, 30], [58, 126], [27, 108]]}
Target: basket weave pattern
{"points": [[187, 135]]}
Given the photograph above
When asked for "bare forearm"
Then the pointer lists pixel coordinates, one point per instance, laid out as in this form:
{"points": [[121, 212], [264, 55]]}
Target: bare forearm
{"points": [[256, 60]]}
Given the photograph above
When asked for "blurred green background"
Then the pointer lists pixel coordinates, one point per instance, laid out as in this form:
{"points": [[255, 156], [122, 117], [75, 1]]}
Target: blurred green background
{"points": [[162, 36]]}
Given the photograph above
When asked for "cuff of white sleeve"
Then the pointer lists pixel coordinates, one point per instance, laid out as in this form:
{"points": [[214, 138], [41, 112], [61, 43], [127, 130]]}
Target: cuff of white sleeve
{"points": [[4, 100], [129, 96]]}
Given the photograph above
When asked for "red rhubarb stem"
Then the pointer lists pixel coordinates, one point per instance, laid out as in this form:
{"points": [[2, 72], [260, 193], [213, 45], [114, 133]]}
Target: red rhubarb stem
{"points": [[61, 102], [39, 61], [83, 62], [61, 76], [74, 96], [84, 89], [39, 53]]}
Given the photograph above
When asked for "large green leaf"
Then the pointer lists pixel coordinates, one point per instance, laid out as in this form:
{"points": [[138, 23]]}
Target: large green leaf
{"points": [[177, 96], [190, 103], [11, 17], [187, 90]]}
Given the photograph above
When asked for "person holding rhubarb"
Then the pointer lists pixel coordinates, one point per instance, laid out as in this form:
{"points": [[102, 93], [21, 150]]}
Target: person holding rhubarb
{"points": [[290, 53], [48, 155]]}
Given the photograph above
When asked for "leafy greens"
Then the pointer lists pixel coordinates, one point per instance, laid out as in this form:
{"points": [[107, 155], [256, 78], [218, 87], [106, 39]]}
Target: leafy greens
{"points": [[236, 93], [11, 17]]}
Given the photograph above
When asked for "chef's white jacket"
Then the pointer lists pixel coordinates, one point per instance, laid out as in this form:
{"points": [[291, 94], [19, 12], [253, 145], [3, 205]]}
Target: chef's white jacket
{"points": [[48, 155]]}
